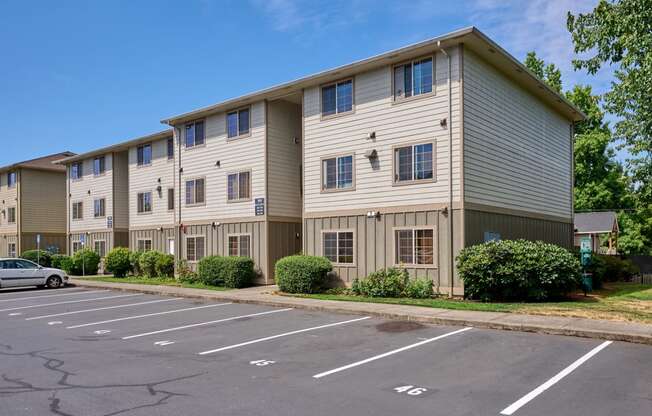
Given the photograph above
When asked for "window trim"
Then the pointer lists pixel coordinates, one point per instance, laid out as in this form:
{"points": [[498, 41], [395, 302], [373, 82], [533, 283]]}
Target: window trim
{"points": [[151, 202], [15, 251], [167, 245], [340, 230], [72, 210], [72, 246], [81, 171], [94, 213], [103, 172], [396, 182], [151, 158], [238, 172], [414, 97], [185, 186], [151, 244], [167, 148], [101, 240], [435, 247], [239, 235], [321, 173], [337, 114], [226, 123], [15, 210], [173, 196], [185, 247], [195, 145], [15, 174]]}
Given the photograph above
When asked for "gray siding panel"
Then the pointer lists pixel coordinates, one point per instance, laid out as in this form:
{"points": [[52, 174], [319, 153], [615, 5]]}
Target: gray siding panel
{"points": [[284, 240]]}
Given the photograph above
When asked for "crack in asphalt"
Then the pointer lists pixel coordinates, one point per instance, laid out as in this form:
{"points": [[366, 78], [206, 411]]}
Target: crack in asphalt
{"points": [[19, 386]]}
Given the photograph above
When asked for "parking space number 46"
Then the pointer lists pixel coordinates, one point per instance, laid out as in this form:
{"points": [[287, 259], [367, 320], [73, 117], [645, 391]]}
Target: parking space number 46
{"points": [[410, 390]]}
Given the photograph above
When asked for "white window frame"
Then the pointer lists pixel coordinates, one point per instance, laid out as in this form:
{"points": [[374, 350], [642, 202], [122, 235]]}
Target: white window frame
{"points": [[102, 202], [194, 193], [238, 199], [194, 257], [395, 255], [144, 241], [80, 211], [337, 173], [102, 161], [396, 163], [80, 171], [194, 132], [102, 255], [174, 245], [402, 98], [336, 113], [337, 247], [11, 218], [151, 203], [77, 243], [11, 253], [151, 154], [239, 237], [237, 113]]}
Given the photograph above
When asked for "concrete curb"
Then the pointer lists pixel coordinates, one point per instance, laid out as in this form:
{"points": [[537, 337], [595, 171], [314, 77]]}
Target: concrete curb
{"points": [[577, 327]]}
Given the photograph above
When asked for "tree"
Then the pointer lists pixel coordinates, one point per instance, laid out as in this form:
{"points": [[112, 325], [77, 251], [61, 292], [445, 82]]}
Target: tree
{"points": [[549, 73]]}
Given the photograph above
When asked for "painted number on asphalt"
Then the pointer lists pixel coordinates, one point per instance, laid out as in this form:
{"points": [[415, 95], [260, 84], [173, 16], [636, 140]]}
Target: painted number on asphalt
{"points": [[15, 314], [163, 343], [261, 363], [411, 390], [55, 323], [102, 332]]}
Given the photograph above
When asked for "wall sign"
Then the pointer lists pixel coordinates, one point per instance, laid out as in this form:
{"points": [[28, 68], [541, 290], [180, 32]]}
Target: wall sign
{"points": [[109, 222], [259, 204]]}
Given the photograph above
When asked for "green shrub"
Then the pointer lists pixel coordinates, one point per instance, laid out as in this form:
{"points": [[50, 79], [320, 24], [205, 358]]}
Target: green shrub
{"points": [[302, 274], [85, 261], [41, 257], [517, 270], [165, 265], [234, 272], [385, 283], [209, 270], [147, 263], [419, 288], [185, 273], [618, 270], [63, 262], [117, 262], [134, 260]]}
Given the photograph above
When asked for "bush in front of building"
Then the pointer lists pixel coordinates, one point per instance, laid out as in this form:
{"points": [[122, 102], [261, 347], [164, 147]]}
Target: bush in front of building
{"points": [[147, 263], [85, 261], [134, 261], [63, 262], [384, 283], [209, 271], [41, 257], [232, 271], [517, 270], [165, 265], [185, 274], [302, 274], [117, 262], [420, 288]]}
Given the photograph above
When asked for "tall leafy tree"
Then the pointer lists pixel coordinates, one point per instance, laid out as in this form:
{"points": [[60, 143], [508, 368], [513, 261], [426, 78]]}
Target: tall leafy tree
{"points": [[549, 73]]}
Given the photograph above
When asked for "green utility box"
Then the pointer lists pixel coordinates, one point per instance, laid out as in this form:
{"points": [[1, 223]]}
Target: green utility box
{"points": [[585, 260]]}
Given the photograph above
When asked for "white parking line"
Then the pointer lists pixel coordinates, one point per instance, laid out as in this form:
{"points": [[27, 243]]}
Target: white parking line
{"points": [[69, 301], [233, 318], [100, 309], [563, 373], [282, 335], [387, 354], [8, 291], [147, 315], [85, 292]]}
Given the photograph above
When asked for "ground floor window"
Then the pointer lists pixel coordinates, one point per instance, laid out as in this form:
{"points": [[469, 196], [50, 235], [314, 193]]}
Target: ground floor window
{"points": [[338, 246], [240, 245], [414, 246], [144, 245], [11, 249], [195, 248], [76, 246], [100, 248]]}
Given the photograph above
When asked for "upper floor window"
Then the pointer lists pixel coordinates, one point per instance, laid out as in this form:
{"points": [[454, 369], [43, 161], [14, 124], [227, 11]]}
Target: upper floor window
{"points": [[144, 202], [77, 210], [99, 165], [195, 134], [99, 208], [144, 154], [76, 170], [239, 186], [170, 148], [11, 215], [237, 123], [170, 199], [413, 163], [413, 78], [11, 179], [195, 192], [240, 245], [338, 246], [337, 173], [414, 246], [337, 98]]}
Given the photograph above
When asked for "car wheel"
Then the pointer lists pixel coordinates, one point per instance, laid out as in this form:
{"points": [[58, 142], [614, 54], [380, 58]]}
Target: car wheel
{"points": [[53, 282]]}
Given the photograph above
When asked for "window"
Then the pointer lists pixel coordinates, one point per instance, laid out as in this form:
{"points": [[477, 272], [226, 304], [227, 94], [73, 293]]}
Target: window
{"points": [[76, 246], [170, 199], [11, 215], [337, 98], [240, 245], [238, 186], [144, 154], [237, 123], [77, 210], [100, 248], [338, 246], [195, 134], [11, 179], [99, 165], [337, 173], [413, 163], [170, 147], [414, 246], [145, 245], [194, 248], [195, 192], [144, 202], [99, 206], [412, 79], [170, 246], [76, 171], [11, 249]]}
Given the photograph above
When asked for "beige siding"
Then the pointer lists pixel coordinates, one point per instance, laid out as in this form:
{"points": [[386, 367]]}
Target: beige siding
{"points": [[87, 189], [90, 239], [121, 191], [284, 240], [43, 202], [234, 155], [5, 239], [395, 123], [54, 242], [8, 199], [159, 238], [284, 159], [517, 151], [148, 179]]}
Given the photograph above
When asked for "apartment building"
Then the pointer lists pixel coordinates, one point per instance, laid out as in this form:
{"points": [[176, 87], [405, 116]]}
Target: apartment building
{"points": [[33, 203]]}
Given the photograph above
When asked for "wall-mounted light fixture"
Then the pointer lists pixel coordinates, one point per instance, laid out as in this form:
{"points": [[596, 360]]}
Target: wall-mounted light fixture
{"points": [[444, 211], [371, 135], [373, 214], [180, 170], [297, 140], [371, 154], [217, 163], [298, 236], [89, 192], [443, 122], [159, 180], [160, 229], [159, 189], [215, 224]]}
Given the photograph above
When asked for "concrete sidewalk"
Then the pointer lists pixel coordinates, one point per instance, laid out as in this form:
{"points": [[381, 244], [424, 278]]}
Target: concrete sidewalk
{"points": [[264, 295]]}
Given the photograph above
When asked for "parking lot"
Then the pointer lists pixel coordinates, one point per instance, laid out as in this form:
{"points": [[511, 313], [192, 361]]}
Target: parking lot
{"points": [[89, 352]]}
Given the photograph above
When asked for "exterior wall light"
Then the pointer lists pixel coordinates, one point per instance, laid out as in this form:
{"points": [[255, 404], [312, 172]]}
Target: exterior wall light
{"points": [[373, 214]]}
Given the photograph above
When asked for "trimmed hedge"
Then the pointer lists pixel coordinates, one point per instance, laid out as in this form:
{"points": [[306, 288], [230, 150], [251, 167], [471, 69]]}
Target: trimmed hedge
{"points": [[233, 272], [517, 270], [392, 283], [302, 274], [42, 257], [85, 261], [147, 263], [63, 262], [117, 262]]}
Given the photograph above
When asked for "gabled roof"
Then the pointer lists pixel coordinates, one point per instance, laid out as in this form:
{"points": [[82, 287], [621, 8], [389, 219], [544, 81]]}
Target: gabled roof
{"points": [[596, 222], [40, 163], [471, 37]]}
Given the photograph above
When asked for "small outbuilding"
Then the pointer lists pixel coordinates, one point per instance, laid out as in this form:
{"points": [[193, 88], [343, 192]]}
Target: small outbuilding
{"points": [[598, 226]]}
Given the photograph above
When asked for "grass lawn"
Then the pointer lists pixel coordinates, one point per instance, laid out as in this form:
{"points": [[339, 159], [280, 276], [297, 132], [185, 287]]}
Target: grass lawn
{"points": [[149, 281], [616, 301]]}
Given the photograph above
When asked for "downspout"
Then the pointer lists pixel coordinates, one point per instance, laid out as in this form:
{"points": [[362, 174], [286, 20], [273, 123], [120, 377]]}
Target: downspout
{"points": [[451, 256], [176, 134]]}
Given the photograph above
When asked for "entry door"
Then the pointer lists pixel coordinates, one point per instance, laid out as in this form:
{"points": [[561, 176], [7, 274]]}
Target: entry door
{"points": [[171, 246]]}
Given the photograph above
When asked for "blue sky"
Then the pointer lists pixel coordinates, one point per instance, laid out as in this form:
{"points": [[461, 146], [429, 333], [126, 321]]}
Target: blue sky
{"points": [[78, 75]]}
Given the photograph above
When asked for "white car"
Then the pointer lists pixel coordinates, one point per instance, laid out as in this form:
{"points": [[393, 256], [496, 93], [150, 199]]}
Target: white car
{"points": [[21, 272]]}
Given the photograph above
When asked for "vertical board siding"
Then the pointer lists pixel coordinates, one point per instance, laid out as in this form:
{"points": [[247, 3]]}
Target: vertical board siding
{"points": [[283, 241], [121, 191], [284, 158], [147, 179], [5, 239], [55, 242], [91, 237], [517, 150], [159, 238], [88, 189], [43, 202], [394, 123], [8, 199]]}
